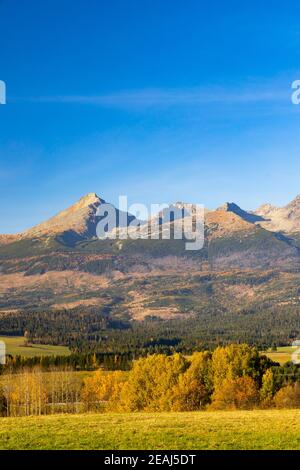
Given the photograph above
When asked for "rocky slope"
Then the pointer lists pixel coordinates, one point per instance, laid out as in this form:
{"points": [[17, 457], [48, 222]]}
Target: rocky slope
{"points": [[281, 219], [77, 222], [80, 218]]}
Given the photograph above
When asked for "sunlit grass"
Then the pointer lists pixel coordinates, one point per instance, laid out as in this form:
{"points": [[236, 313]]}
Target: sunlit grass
{"points": [[271, 429], [15, 345]]}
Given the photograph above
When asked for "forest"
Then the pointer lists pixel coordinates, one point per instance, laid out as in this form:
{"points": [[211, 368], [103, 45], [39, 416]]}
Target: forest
{"points": [[94, 329], [228, 378]]}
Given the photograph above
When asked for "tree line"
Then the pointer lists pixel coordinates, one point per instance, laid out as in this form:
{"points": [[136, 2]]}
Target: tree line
{"points": [[75, 361], [231, 377]]}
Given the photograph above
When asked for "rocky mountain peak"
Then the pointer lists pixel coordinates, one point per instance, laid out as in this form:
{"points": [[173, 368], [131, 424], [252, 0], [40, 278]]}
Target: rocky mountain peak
{"points": [[235, 209], [284, 219], [90, 199], [295, 203], [265, 209], [79, 218], [229, 207]]}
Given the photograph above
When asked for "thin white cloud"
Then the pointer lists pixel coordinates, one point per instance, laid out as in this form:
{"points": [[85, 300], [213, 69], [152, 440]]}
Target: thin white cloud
{"points": [[147, 98]]}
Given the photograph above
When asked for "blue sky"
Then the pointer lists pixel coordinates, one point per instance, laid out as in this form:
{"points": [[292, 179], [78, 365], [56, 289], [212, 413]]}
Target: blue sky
{"points": [[160, 100]]}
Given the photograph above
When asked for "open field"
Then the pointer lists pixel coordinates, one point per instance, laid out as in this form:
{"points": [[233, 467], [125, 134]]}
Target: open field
{"points": [[282, 355], [275, 429], [15, 346]]}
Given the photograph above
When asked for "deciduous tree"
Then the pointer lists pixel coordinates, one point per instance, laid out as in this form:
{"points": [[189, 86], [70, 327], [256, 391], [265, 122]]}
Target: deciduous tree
{"points": [[238, 393]]}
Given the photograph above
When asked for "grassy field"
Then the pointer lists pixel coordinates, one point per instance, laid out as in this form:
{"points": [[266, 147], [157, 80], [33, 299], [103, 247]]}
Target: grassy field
{"points": [[282, 355], [15, 346], [149, 431]]}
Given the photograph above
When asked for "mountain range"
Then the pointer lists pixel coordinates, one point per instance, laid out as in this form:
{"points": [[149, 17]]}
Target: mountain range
{"points": [[250, 261], [267, 237], [81, 219]]}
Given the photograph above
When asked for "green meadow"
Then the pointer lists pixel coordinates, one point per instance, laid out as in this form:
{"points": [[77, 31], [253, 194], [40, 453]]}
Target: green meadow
{"points": [[270, 429], [15, 345]]}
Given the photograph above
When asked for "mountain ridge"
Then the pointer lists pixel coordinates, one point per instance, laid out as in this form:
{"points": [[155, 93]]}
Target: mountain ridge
{"points": [[81, 217], [231, 235], [284, 219]]}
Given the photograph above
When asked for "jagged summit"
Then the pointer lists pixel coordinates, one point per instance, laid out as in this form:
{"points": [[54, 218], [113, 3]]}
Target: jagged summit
{"points": [[232, 236], [247, 216], [294, 204], [281, 219], [80, 219], [265, 209], [88, 199], [77, 222]]}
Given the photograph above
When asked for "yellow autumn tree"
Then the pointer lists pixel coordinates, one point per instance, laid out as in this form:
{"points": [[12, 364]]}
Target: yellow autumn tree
{"points": [[194, 387], [102, 390], [232, 361], [268, 389], [25, 393], [239, 393], [151, 382]]}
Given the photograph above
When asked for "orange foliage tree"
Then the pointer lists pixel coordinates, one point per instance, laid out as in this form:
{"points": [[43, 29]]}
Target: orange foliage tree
{"points": [[238, 393]]}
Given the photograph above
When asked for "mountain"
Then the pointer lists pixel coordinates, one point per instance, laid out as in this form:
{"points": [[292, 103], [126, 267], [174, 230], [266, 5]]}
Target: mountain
{"points": [[77, 222], [281, 219], [233, 237], [247, 216], [59, 277]]}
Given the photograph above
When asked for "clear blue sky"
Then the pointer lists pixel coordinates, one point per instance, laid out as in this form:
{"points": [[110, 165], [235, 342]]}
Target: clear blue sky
{"points": [[162, 100]]}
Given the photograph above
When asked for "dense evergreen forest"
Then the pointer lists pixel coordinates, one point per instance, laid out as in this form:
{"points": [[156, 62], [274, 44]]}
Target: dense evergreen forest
{"points": [[89, 330]]}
